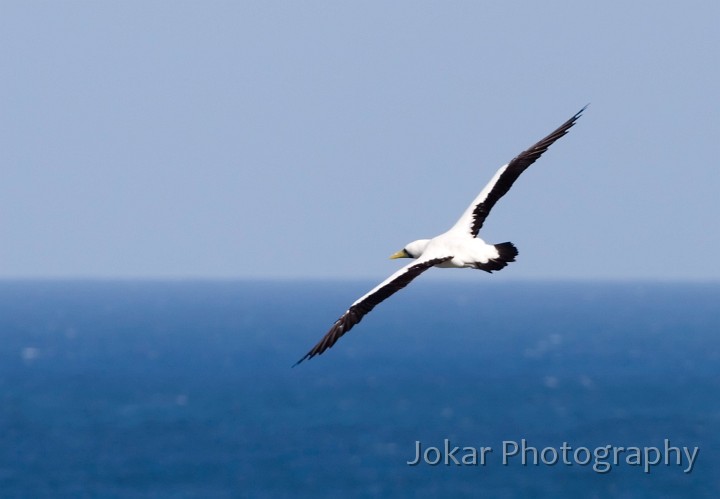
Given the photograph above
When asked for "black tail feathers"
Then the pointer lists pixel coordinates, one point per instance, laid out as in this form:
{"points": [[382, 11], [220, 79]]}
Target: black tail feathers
{"points": [[506, 254], [507, 251]]}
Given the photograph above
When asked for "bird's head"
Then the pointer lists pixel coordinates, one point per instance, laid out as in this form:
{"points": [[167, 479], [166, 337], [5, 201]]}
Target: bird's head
{"points": [[412, 250]]}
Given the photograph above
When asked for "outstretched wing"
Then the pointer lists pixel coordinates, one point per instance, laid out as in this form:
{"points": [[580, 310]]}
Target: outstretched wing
{"points": [[364, 305], [472, 220]]}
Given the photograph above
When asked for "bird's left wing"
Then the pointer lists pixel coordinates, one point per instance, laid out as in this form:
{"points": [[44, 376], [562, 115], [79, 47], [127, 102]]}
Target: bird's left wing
{"points": [[472, 220], [365, 304]]}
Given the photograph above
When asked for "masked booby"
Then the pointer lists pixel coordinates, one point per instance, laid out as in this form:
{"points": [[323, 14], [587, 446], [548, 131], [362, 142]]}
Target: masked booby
{"points": [[459, 247]]}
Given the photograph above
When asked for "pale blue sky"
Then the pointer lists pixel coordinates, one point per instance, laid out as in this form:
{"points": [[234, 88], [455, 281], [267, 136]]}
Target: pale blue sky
{"points": [[314, 139]]}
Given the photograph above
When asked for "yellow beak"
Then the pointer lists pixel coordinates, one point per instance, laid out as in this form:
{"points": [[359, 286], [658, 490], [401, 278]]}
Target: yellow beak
{"points": [[400, 254]]}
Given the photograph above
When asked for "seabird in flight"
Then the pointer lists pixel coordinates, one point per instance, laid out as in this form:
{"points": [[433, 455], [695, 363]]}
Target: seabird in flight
{"points": [[457, 248]]}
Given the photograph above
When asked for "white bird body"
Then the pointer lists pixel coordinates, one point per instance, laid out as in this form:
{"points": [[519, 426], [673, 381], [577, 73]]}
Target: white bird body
{"points": [[466, 251], [459, 247]]}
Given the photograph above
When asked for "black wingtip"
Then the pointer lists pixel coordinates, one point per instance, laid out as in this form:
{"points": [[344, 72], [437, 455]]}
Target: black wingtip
{"points": [[307, 356], [569, 123], [576, 116]]}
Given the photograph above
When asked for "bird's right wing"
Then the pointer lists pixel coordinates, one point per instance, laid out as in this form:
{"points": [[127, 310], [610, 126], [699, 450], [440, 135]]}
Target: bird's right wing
{"points": [[366, 303], [472, 220]]}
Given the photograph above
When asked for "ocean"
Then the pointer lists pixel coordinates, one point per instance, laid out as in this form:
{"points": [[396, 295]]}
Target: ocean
{"points": [[185, 389]]}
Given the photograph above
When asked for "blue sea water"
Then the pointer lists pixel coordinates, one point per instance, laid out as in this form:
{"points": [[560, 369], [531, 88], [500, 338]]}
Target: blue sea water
{"points": [[185, 389]]}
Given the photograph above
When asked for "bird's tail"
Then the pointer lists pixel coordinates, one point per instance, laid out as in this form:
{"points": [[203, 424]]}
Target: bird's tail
{"points": [[506, 254]]}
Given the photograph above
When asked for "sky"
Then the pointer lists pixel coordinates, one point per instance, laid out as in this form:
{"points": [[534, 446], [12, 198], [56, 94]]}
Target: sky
{"points": [[278, 139]]}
